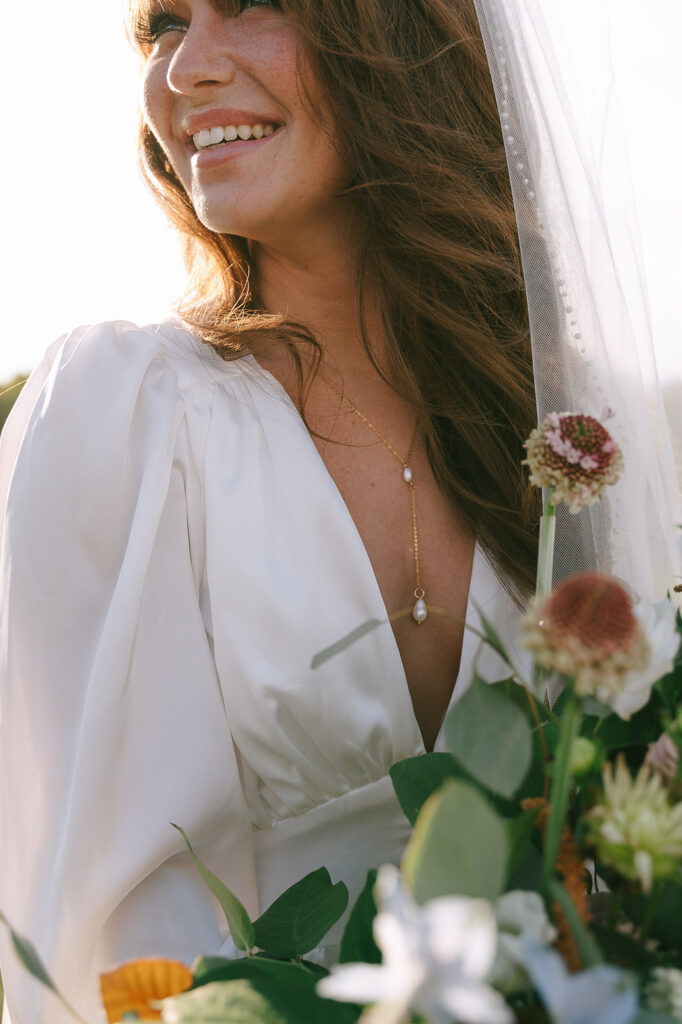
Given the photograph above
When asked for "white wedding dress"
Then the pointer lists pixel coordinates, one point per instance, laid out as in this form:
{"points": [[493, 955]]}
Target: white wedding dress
{"points": [[174, 552]]}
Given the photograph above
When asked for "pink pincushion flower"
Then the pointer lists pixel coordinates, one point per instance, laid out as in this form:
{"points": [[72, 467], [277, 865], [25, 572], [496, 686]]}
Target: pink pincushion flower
{"points": [[575, 455], [588, 629], [664, 757]]}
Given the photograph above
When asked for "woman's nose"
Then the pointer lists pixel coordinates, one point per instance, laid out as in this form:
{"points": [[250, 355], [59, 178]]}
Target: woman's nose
{"points": [[204, 57]]}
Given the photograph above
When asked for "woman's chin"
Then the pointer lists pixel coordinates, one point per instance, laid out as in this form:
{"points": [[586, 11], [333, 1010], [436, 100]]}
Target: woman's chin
{"points": [[232, 218]]}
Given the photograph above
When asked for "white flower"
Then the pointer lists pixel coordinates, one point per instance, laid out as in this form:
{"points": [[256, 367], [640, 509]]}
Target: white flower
{"points": [[663, 993], [435, 960], [521, 917], [600, 995], [635, 828], [657, 623]]}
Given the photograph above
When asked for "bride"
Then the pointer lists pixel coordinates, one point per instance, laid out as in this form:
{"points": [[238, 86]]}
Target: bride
{"points": [[330, 432]]}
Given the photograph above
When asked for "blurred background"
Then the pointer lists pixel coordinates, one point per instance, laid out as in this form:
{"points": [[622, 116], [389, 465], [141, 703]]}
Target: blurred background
{"points": [[82, 241]]}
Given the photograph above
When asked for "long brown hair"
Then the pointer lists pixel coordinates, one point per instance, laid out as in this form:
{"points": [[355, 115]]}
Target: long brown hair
{"points": [[409, 91]]}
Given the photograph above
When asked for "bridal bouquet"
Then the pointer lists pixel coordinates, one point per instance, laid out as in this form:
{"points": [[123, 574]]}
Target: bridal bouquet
{"points": [[543, 879]]}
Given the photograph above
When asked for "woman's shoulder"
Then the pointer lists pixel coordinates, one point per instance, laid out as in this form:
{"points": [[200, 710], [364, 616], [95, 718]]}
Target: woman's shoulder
{"points": [[108, 396], [98, 374], [101, 353], [111, 398]]}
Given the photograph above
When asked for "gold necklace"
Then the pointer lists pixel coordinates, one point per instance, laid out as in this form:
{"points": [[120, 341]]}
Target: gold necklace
{"points": [[419, 611]]}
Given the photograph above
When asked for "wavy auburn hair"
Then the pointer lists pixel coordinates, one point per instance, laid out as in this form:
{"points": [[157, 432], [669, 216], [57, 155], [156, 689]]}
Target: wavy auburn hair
{"points": [[408, 88]]}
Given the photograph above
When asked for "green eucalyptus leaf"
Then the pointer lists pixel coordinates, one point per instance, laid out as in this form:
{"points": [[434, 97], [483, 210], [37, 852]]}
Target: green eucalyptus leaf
{"points": [[490, 735], [357, 944], [459, 846], [300, 918], [238, 920], [346, 641], [254, 1001], [417, 778]]}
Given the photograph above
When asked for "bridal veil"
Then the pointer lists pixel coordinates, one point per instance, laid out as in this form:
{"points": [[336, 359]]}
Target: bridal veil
{"points": [[587, 299]]}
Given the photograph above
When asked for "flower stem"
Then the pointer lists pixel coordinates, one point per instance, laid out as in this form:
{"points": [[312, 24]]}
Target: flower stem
{"points": [[652, 908], [589, 951], [543, 583], [561, 787], [538, 724]]}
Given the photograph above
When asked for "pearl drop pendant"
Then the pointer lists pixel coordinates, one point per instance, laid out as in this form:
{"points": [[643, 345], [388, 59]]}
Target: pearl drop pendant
{"points": [[407, 475], [419, 612]]}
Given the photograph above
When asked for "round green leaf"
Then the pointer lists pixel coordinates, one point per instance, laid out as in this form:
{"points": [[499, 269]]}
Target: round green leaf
{"points": [[491, 737], [255, 1001], [459, 847]]}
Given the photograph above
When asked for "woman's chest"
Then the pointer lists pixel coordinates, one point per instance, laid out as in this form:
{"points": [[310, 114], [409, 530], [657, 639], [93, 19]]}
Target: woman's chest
{"points": [[301, 554], [417, 547]]}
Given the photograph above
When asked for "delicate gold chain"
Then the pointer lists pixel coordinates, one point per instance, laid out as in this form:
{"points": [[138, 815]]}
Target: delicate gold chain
{"points": [[419, 612]]}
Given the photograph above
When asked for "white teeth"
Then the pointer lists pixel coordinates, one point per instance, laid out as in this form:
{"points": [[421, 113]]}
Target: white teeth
{"points": [[214, 136]]}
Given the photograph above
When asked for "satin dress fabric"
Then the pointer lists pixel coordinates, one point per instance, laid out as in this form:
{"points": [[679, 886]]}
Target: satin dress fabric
{"points": [[173, 554]]}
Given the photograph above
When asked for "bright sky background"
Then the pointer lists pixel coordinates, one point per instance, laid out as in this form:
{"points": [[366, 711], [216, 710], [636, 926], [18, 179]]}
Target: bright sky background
{"points": [[83, 242]]}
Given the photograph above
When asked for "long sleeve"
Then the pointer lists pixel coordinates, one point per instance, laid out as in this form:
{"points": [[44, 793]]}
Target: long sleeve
{"points": [[112, 723]]}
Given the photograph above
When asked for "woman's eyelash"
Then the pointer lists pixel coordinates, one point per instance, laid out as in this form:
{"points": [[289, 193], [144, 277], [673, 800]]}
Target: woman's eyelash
{"points": [[153, 25]]}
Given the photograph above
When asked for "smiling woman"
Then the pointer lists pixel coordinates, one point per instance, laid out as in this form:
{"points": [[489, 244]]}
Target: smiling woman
{"points": [[192, 62], [330, 432]]}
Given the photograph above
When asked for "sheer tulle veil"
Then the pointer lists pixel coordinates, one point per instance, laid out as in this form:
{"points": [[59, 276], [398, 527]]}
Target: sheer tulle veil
{"points": [[590, 325]]}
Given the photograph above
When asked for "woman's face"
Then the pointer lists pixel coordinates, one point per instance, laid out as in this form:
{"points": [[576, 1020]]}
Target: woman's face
{"points": [[222, 96]]}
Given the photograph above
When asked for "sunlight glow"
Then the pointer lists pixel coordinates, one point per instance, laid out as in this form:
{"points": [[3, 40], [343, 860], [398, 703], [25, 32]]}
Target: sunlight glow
{"points": [[83, 241]]}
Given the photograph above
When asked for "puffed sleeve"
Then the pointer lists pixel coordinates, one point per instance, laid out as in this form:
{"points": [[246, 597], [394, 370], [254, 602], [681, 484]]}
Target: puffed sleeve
{"points": [[112, 723]]}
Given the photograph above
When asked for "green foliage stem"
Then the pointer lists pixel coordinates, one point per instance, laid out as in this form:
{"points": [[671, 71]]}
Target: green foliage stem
{"points": [[561, 786], [590, 954]]}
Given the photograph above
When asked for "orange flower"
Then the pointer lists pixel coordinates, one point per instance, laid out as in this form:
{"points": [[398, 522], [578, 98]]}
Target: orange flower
{"points": [[131, 988]]}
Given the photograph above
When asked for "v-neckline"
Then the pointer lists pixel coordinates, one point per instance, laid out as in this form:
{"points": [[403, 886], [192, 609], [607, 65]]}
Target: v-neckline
{"points": [[392, 642]]}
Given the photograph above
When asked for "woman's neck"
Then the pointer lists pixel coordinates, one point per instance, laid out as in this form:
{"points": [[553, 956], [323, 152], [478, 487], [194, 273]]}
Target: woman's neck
{"points": [[318, 289]]}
